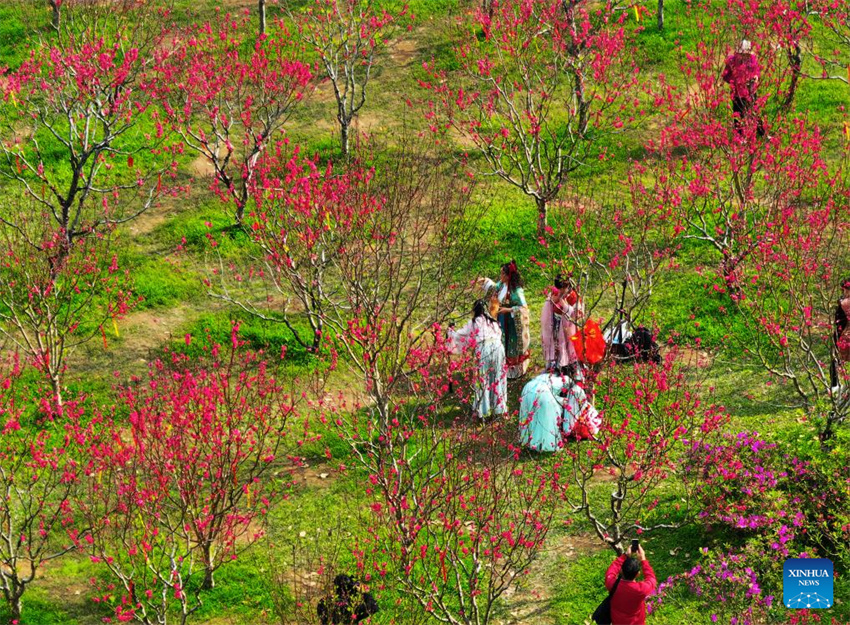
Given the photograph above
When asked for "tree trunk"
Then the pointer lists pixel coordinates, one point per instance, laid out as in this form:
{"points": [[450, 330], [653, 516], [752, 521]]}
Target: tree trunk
{"points": [[541, 217], [15, 606], [318, 334], [574, 50], [56, 19], [795, 61], [826, 435], [660, 14], [344, 138], [209, 582], [262, 10], [582, 105], [487, 6], [56, 387]]}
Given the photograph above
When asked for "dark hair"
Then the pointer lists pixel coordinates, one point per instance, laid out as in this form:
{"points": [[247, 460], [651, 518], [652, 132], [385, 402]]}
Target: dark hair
{"points": [[631, 568], [514, 279], [481, 309], [845, 283]]}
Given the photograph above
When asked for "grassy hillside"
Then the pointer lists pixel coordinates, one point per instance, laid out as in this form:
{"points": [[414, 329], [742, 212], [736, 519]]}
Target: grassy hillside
{"points": [[167, 253]]}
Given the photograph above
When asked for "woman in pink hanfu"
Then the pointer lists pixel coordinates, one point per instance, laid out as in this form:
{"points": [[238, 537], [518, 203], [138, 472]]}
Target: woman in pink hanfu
{"points": [[557, 325], [561, 311]]}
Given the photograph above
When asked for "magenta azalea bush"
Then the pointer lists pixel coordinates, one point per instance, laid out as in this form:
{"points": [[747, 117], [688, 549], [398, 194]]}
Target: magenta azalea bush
{"points": [[768, 504], [728, 585]]}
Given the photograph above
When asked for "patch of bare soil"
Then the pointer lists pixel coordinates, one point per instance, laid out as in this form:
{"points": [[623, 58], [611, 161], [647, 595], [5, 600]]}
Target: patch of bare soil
{"points": [[694, 357], [140, 335], [313, 476], [201, 167], [147, 330], [323, 93], [238, 4], [370, 121], [603, 475], [404, 52], [528, 603], [148, 221]]}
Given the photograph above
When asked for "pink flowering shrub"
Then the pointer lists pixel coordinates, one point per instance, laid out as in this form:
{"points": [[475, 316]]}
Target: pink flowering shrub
{"points": [[755, 487], [727, 583], [778, 504], [743, 482]]}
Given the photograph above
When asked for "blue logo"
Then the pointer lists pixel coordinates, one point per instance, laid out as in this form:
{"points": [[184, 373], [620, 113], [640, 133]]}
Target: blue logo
{"points": [[807, 583]]}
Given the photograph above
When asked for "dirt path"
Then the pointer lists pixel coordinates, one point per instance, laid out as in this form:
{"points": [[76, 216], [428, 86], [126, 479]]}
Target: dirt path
{"points": [[140, 335], [529, 602]]}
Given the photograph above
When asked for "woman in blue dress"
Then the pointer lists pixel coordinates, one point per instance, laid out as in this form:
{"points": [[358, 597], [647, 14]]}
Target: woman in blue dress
{"points": [[553, 407]]}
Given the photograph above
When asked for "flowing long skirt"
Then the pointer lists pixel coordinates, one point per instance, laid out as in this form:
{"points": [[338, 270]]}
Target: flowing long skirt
{"points": [[516, 337], [491, 388], [541, 413], [547, 414]]}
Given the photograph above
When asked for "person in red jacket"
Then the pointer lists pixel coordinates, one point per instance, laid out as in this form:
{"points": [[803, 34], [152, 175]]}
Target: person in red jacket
{"points": [[628, 604], [742, 73]]}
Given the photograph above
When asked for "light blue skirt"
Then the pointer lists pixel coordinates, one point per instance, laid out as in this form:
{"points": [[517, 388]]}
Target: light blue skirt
{"points": [[542, 423]]}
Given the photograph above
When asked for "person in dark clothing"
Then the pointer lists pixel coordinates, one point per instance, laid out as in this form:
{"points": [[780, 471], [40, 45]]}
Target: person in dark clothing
{"points": [[642, 346], [742, 73], [349, 603], [841, 332], [628, 603]]}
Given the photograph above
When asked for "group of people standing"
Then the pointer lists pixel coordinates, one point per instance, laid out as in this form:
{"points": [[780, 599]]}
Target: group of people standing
{"points": [[500, 333]]}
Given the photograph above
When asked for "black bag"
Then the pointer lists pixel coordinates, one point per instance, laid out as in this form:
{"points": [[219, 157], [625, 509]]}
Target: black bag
{"points": [[602, 614], [343, 607], [641, 346]]}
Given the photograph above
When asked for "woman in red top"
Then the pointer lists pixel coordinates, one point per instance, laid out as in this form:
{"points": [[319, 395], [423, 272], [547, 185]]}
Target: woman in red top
{"points": [[742, 73], [628, 604]]}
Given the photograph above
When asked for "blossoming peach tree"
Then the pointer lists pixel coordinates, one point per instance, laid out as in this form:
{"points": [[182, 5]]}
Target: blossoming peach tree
{"points": [[78, 163], [39, 472], [538, 84], [184, 487], [651, 414], [229, 100]]}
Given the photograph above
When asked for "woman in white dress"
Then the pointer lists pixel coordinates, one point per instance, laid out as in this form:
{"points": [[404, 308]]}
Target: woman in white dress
{"points": [[483, 334]]}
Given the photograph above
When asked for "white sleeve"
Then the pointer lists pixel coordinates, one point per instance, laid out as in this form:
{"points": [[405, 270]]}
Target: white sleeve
{"points": [[465, 331], [459, 339], [488, 284]]}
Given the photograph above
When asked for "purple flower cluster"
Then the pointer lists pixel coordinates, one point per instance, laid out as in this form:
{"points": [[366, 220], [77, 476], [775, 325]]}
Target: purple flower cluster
{"points": [[746, 483], [726, 583]]}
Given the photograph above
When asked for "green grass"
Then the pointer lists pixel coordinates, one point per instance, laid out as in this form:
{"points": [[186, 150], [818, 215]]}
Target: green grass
{"points": [[195, 230], [683, 304], [161, 283], [12, 37], [258, 333], [241, 593]]}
